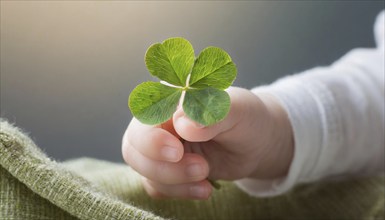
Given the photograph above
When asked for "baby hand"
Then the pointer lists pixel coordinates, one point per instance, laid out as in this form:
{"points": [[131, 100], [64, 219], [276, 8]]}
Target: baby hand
{"points": [[175, 159]]}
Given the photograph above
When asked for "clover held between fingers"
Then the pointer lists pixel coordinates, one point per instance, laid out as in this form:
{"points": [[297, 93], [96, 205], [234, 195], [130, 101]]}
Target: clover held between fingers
{"points": [[196, 84]]}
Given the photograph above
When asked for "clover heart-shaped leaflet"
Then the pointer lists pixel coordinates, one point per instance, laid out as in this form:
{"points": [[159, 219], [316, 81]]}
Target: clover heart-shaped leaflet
{"points": [[197, 84]]}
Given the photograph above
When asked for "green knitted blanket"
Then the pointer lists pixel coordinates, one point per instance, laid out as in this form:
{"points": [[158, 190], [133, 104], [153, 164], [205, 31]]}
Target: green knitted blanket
{"points": [[33, 186]]}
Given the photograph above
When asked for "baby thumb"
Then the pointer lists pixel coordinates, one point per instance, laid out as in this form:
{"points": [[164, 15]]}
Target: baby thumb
{"points": [[193, 131]]}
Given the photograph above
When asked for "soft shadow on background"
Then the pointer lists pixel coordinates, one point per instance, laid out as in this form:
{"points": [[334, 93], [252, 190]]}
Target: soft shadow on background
{"points": [[68, 67]]}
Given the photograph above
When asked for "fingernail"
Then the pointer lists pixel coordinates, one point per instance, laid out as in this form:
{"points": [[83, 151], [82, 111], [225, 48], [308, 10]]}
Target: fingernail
{"points": [[169, 153], [194, 170], [198, 191]]}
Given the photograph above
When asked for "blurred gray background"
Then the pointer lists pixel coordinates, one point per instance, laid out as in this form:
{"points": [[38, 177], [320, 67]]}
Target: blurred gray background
{"points": [[67, 67]]}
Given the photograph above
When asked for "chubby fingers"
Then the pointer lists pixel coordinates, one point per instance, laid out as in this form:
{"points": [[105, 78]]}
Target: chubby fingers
{"points": [[191, 168], [145, 150], [198, 190], [152, 142]]}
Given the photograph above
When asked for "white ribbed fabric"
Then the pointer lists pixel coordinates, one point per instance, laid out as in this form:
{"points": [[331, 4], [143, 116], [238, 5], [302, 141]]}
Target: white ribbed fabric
{"points": [[337, 115]]}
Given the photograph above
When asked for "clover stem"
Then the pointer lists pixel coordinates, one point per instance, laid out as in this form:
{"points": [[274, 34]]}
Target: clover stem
{"points": [[182, 98], [188, 80]]}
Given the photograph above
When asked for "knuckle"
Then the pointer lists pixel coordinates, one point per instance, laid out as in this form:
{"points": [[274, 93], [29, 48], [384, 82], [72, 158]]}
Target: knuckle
{"points": [[161, 173], [155, 137]]}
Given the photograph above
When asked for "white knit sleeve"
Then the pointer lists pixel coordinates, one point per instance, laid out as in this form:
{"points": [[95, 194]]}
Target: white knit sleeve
{"points": [[337, 115]]}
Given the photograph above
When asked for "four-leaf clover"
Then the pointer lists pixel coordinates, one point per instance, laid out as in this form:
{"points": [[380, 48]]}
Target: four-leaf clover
{"points": [[196, 84]]}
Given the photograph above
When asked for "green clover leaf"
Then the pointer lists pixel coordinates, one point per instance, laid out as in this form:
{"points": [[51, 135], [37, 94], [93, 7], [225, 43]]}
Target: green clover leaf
{"points": [[202, 80]]}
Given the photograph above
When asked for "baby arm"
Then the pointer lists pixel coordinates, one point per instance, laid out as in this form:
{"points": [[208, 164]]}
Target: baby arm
{"points": [[337, 116]]}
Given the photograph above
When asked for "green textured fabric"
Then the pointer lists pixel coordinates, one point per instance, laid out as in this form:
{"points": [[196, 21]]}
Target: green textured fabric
{"points": [[32, 186]]}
